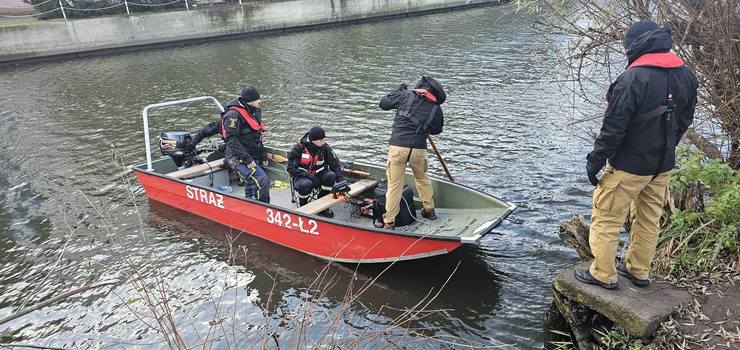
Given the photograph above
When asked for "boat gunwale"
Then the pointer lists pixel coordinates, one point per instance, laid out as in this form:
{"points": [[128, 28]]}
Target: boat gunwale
{"points": [[462, 239]]}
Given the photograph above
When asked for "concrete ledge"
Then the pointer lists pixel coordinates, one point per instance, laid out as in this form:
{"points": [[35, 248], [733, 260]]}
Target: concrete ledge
{"points": [[638, 310], [55, 40]]}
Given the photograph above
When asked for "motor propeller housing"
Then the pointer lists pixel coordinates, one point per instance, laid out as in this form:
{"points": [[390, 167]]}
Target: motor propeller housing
{"points": [[178, 145]]}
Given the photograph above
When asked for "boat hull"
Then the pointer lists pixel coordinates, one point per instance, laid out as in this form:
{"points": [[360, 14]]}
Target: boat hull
{"points": [[310, 234]]}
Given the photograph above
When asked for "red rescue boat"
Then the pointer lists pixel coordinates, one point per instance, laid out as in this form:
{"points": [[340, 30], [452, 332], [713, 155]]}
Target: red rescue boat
{"points": [[465, 214]]}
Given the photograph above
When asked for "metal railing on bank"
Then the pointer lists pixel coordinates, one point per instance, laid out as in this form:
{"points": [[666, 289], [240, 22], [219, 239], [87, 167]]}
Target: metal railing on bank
{"points": [[49, 8]]}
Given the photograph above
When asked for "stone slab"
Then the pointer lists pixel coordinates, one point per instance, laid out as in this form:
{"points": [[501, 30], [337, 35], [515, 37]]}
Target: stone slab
{"points": [[638, 310]]}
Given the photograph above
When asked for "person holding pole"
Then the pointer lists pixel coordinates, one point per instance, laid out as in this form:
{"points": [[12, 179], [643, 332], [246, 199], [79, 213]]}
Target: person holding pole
{"points": [[418, 115]]}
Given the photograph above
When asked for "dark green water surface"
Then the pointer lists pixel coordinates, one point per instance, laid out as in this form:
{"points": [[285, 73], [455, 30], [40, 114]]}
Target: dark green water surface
{"points": [[504, 135]]}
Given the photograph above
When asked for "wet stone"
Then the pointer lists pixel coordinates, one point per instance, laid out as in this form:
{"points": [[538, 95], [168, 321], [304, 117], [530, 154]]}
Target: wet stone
{"points": [[637, 310]]}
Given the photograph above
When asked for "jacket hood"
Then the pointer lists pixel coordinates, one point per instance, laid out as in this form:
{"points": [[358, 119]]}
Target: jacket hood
{"points": [[434, 86], [233, 102], [658, 40]]}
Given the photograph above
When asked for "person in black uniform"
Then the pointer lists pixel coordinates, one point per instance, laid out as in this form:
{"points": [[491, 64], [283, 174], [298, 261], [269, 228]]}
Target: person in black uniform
{"points": [[313, 165], [418, 115], [242, 128], [651, 105]]}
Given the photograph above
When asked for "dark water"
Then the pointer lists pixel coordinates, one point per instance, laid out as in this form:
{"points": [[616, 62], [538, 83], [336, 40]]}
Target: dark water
{"points": [[503, 134]]}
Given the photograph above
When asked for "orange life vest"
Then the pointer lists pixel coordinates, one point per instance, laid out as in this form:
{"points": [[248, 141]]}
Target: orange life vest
{"points": [[426, 94], [256, 126], [663, 60]]}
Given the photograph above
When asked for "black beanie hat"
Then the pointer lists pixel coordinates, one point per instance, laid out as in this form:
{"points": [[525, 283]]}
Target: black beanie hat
{"points": [[636, 30], [250, 93], [316, 133]]}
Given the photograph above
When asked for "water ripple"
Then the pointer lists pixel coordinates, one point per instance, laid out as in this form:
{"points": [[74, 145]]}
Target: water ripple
{"points": [[62, 121]]}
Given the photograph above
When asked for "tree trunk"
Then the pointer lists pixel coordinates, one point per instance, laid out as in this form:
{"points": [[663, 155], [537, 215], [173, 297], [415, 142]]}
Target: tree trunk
{"points": [[734, 158]]}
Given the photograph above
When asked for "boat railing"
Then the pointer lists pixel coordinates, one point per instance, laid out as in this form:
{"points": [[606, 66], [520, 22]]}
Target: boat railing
{"points": [[145, 116]]}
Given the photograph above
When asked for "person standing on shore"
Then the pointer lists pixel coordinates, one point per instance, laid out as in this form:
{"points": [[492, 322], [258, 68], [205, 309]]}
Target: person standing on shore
{"points": [[418, 114], [242, 128], [650, 107]]}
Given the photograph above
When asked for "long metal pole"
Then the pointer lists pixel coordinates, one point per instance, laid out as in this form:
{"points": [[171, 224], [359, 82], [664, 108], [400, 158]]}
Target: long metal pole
{"points": [[125, 2], [186, 5], [439, 156], [61, 7]]}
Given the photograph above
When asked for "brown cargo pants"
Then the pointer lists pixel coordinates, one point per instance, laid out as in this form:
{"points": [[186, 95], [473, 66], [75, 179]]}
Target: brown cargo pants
{"points": [[618, 189], [396, 173]]}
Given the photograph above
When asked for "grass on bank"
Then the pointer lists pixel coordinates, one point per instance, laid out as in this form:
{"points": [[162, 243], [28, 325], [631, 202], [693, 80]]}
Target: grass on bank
{"points": [[700, 238]]}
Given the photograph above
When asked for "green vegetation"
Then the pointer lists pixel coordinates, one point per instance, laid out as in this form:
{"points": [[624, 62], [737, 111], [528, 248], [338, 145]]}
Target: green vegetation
{"points": [[700, 235], [618, 339]]}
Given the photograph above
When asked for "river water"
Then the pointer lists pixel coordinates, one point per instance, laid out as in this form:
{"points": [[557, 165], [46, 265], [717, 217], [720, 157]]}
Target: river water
{"points": [[67, 217]]}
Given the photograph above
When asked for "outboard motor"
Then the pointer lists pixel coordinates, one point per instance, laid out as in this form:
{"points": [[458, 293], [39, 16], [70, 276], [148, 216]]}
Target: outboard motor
{"points": [[178, 145]]}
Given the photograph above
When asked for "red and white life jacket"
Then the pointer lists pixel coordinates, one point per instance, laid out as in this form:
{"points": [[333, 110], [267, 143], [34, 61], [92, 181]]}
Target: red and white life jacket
{"points": [[311, 162]]}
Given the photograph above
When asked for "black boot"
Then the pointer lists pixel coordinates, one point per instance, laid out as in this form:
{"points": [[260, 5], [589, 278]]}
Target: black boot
{"points": [[328, 213], [302, 201], [429, 214], [624, 272], [585, 276]]}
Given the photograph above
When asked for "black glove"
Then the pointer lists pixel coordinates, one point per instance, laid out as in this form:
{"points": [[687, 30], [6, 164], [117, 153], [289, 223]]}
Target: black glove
{"points": [[402, 87], [592, 169]]}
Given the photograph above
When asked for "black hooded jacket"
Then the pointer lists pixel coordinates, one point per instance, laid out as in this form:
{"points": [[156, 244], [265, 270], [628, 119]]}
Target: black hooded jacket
{"points": [[406, 132], [633, 144], [242, 142], [324, 152]]}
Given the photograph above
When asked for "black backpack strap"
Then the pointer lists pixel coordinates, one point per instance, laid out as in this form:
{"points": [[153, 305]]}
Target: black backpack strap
{"points": [[655, 112], [668, 127], [429, 119], [409, 105]]}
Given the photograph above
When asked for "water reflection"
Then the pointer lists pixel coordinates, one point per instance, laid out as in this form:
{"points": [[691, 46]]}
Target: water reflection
{"points": [[472, 290], [503, 135]]}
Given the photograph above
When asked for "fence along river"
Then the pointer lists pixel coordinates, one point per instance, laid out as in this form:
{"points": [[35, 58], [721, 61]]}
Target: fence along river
{"points": [[503, 135]]}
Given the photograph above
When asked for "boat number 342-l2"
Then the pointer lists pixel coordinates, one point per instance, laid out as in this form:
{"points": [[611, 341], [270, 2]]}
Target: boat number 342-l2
{"points": [[292, 222]]}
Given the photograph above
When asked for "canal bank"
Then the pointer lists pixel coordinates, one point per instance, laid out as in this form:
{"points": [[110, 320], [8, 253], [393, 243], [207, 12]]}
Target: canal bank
{"points": [[56, 39]]}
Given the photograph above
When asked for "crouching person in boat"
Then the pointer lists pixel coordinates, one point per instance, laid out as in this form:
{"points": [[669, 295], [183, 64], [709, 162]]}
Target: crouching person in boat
{"points": [[418, 114], [242, 128], [313, 166]]}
